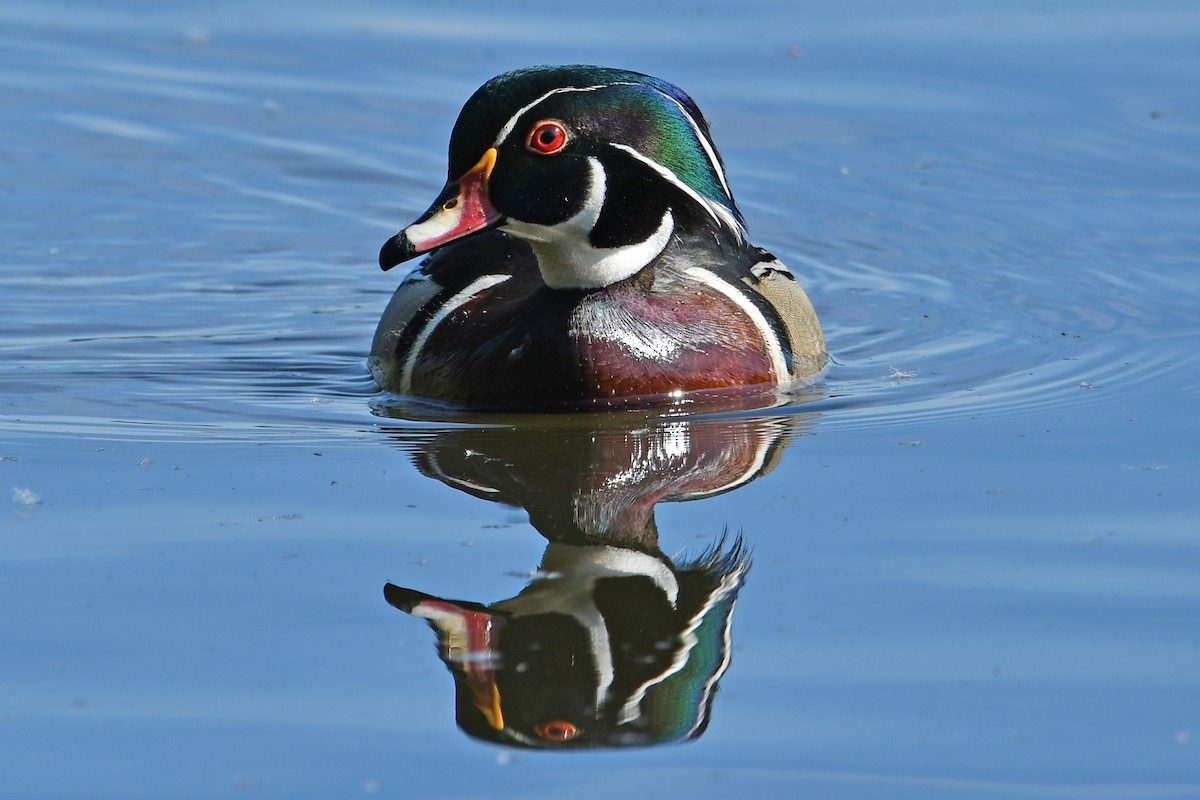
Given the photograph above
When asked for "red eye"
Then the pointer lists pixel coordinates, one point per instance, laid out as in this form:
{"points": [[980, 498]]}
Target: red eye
{"points": [[556, 731], [547, 138]]}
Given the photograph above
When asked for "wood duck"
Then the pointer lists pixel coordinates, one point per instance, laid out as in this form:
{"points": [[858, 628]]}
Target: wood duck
{"points": [[607, 647], [587, 252], [612, 643]]}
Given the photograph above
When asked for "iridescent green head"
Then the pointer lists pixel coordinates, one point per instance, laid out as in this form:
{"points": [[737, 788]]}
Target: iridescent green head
{"points": [[597, 168]]}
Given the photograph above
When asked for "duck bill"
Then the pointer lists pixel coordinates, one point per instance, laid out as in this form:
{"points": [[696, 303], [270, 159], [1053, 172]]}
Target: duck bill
{"points": [[469, 638], [461, 209]]}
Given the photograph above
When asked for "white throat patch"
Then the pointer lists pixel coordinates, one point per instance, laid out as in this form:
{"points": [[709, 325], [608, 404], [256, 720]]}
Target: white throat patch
{"points": [[568, 261]]}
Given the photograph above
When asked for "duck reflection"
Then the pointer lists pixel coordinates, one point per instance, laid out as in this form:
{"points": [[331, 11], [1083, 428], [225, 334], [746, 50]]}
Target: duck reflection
{"points": [[612, 643]]}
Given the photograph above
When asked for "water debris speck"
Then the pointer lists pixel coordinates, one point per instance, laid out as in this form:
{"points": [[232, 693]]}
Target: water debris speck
{"points": [[197, 36], [25, 497]]}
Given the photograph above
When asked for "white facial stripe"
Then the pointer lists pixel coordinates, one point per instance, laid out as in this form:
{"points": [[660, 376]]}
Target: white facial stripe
{"points": [[565, 258], [718, 212], [449, 307], [670, 176], [507, 130], [576, 228], [708, 149], [567, 264], [774, 348]]}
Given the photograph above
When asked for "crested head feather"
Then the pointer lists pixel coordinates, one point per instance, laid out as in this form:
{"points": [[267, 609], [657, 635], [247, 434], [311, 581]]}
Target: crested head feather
{"points": [[648, 118]]}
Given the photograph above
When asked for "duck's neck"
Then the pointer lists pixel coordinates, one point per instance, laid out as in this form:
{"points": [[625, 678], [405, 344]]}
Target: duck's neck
{"points": [[567, 261], [566, 256]]}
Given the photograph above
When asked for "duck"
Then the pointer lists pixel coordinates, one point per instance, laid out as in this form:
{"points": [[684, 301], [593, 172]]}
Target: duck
{"points": [[612, 642], [586, 252], [607, 647]]}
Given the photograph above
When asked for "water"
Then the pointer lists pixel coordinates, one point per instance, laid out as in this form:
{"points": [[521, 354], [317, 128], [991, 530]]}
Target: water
{"points": [[974, 548]]}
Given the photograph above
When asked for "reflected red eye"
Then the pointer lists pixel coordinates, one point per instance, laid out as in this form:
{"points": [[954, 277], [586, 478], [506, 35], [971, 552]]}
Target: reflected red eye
{"points": [[547, 138], [556, 731]]}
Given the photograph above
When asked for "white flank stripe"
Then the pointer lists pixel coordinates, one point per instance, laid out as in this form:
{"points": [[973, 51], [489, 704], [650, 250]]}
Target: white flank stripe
{"points": [[448, 308], [774, 349], [760, 458]]}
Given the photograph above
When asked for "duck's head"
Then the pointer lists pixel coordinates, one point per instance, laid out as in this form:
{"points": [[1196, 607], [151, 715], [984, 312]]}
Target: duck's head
{"points": [[596, 168]]}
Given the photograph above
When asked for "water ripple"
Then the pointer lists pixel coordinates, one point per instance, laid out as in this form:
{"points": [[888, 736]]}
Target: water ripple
{"points": [[217, 281]]}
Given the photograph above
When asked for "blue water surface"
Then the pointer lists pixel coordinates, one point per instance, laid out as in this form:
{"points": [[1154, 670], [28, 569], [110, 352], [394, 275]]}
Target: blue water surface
{"points": [[975, 545]]}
